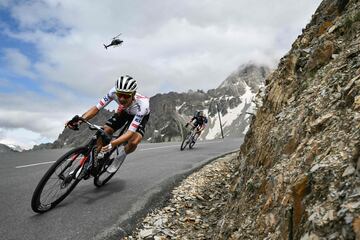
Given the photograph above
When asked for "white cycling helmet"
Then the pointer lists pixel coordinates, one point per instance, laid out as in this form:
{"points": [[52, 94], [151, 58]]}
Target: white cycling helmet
{"points": [[126, 84]]}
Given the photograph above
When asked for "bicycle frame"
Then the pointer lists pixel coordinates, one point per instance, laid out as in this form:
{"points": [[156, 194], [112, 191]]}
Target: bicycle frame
{"points": [[88, 153], [93, 141]]}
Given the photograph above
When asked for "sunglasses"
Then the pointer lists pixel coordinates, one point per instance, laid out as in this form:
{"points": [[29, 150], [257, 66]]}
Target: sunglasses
{"points": [[123, 95]]}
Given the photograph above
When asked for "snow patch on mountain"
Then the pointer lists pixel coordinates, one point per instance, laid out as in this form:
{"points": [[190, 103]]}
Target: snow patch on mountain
{"points": [[16, 148], [214, 127]]}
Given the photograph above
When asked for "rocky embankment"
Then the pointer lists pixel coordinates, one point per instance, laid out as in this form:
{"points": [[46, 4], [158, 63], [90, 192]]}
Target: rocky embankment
{"points": [[297, 173], [195, 207]]}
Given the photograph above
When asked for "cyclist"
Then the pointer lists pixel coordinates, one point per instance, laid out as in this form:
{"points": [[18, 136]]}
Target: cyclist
{"points": [[199, 122], [132, 107]]}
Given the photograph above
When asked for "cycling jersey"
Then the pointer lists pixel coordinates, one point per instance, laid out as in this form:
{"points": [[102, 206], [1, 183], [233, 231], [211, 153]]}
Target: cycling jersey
{"points": [[138, 108], [199, 120]]}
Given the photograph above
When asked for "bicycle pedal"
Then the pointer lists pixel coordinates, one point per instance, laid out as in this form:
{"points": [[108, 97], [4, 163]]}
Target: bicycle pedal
{"points": [[86, 176]]}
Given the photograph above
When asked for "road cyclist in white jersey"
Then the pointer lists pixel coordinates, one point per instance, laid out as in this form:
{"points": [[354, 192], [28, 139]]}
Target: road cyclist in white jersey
{"points": [[132, 107]]}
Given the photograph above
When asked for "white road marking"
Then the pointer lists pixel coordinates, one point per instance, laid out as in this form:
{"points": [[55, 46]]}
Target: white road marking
{"points": [[35, 164], [176, 145], [209, 142], [158, 147]]}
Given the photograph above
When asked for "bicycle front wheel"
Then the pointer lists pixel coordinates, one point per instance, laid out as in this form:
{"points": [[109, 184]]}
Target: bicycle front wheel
{"points": [[185, 142], [58, 181], [192, 143]]}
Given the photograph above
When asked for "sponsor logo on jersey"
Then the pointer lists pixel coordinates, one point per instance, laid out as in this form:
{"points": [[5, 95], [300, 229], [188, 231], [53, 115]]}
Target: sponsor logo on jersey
{"points": [[102, 103], [137, 106], [138, 118], [134, 125]]}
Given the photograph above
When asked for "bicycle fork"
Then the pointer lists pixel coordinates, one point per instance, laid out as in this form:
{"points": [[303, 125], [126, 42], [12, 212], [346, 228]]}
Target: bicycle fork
{"points": [[84, 165], [72, 174]]}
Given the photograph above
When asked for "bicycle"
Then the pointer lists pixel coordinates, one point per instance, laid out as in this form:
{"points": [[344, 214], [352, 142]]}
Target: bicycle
{"points": [[77, 164], [190, 138]]}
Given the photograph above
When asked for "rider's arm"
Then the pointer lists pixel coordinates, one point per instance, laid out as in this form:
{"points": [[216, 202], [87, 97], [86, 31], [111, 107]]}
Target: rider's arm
{"points": [[89, 114], [95, 109], [204, 124], [123, 138], [101, 104], [106, 99], [190, 122]]}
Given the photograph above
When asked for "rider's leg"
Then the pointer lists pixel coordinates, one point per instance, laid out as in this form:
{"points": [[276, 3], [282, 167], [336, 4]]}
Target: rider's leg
{"points": [[194, 124], [197, 134], [127, 149], [117, 121], [130, 146], [133, 142]]}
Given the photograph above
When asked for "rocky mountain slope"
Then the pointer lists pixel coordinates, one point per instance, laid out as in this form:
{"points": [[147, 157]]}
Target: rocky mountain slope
{"points": [[297, 173], [5, 148], [298, 169], [234, 99]]}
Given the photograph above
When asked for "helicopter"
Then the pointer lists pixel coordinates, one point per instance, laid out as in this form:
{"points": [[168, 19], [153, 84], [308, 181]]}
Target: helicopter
{"points": [[115, 41]]}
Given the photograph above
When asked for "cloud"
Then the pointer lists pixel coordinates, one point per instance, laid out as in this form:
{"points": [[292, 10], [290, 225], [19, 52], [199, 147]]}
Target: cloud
{"points": [[35, 121], [18, 62], [41, 114], [4, 3], [2, 134], [185, 32], [21, 137], [168, 46]]}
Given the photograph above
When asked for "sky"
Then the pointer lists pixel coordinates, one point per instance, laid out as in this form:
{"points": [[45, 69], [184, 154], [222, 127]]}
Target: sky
{"points": [[53, 64]]}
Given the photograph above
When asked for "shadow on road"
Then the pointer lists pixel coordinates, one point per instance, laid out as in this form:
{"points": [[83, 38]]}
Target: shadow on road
{"points": [[90, 194]]}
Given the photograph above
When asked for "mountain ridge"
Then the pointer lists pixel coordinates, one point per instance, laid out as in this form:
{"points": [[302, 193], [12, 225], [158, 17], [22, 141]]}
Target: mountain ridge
{"points": [[9, 148], [170, 111]]}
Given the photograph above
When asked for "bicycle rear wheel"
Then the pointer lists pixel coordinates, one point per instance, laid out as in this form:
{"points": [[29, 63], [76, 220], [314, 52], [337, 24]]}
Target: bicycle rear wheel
{"points": [[58, 181], [185, 142], [103, 176]]}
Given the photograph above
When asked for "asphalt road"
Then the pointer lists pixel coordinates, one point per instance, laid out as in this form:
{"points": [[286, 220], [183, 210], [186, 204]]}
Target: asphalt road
{"points": [[143, 182]]}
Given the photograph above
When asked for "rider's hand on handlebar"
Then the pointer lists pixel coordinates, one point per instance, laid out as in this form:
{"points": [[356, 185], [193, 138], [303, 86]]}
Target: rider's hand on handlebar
{"points": [[74, 123], [107, 148]]}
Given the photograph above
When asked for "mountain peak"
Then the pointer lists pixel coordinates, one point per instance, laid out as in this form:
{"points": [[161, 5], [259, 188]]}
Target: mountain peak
{"points": [[249, 74]]}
